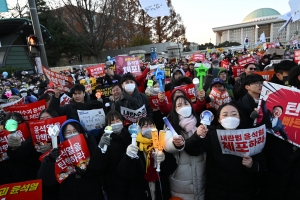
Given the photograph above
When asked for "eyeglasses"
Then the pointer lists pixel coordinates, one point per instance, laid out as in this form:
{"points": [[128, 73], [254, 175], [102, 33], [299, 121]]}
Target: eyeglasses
{"points": [[258, 83], [252, 69]]}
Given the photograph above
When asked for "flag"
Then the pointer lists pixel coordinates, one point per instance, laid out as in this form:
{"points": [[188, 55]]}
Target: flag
{"points": [[295, 9], [246, 41], [283, 27], [155, 8], [286, 16], [262, 37], [3, 6]]}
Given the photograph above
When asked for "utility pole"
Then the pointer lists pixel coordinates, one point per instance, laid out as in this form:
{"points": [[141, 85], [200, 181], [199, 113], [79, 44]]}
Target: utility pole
{"points": [[37, 31]]}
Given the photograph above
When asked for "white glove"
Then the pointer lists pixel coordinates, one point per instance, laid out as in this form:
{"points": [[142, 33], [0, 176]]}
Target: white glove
{"points": [[132, 151], [44, 148], [160, 157], [14, 141]]}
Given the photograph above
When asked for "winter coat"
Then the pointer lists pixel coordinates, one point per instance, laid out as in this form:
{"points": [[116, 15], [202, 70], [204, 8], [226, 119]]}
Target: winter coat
{"points": [[141, 80], [226, 177], [188, 180], [76, 186], [30, 99], [276, 80], [237, 85], [169, 86]]}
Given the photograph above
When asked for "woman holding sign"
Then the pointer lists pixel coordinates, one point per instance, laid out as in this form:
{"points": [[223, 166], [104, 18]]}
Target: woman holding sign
{"points": [[230, 177]]}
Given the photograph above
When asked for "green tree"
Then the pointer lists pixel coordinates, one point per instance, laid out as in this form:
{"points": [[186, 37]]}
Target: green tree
{"points": [[139, 40]]}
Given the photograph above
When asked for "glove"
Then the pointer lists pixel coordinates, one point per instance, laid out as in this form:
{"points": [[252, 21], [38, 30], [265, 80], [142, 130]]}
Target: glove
{"points": [[254, 114], [53, 155], [14, 141], [80, 171], [44, 148], [132, 151], [160, 157], [105, 139]]}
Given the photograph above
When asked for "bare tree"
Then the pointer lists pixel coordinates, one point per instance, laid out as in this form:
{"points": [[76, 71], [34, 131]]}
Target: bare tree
{"points": [[18, 10]]}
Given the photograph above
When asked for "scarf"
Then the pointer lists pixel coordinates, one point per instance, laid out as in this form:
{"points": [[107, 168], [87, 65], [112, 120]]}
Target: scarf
{"points": [[146, 145], [188, 124]]}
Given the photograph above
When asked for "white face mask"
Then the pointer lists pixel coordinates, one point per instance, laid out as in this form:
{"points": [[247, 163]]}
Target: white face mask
{"points": [[147, 133], [117, 127], [129, 87], [185, 111], [230, 123], [70, 136], [35, 91], [23, 94]]}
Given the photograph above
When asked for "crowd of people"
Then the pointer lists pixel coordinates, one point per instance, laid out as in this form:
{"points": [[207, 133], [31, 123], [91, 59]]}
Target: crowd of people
{"points": [[192, 165]]}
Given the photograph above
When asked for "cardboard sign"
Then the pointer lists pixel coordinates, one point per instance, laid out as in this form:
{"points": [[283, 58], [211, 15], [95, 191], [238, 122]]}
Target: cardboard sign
{"points": [[218, 98], [28, 190], [154, 100], [22, 131], [96, 71], [29, 111], [225, 64], [189, 90], [238, 71], [267, 75], [58, 80], [105, 91], [65, 99], [6, 106], [287, 125], [242, 141], [280, 52], [133, 116], [198, 56], [72, 152], [39, 130], [125, 64], [296, 56], [271, 51], [92, 119]]}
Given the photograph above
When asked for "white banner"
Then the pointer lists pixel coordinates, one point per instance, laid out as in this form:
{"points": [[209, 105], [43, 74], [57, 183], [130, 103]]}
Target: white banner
{"points": [[92, 119], [133, 116], [242, 141], [155, 8]]}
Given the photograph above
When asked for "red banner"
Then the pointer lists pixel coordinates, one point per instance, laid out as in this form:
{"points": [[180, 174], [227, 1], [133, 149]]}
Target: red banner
{"points": [[125, 64], [154, 100], [218, 98], [225, 64], [271, 45], [22, 131], [244, 60], [29, 111], [198, 56], [281, 105], [189, 90], [28, 190], [96, 71], [267, 75], [73, 152], [237, 71], [6, 106], [65, 99], [297, 56], [39, 129], [58, 80]]}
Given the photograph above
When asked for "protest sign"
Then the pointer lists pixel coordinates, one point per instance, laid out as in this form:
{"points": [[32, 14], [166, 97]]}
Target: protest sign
{"points": [[92, 119], [198, 57], [238, 71], [155, 8], [65, 99], [22, 132], [72, 152], [280, 52], [271, 51], [58, 80], [218, 98], [96, 71], [242, 141], [154, 100], [297, 56], [105, 91], [28, 190], [267, 75], [89, 84], [281, 105], [189, 90], [225, 64], [278, 61], [6, 106], [39, 129], [125, 64], [29, 111], [133, 116], [244, 60], [271, 45]]}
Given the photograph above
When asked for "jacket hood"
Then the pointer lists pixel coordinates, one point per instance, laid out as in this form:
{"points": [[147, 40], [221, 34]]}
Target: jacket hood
{"points": [[174, 71], [181, 80], [61, 134], [174, 90]]}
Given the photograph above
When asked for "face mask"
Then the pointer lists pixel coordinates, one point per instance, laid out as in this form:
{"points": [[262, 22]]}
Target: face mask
{"points": [[230, 123], [23, 94], [70, 136], [117, 127], [147, 133], [129, 87], [185, 111], [35, 91]]}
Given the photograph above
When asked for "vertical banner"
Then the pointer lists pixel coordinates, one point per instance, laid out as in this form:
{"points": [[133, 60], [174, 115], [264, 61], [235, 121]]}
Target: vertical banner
{"points": [[38, 63], [125, 64], [243, 141], [92, 119], [28, 190], [281, 105]]}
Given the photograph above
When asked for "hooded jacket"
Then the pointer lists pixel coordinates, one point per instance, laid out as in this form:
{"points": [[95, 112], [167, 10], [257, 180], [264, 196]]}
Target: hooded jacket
{"points": [[76, 186], [170, 85]]}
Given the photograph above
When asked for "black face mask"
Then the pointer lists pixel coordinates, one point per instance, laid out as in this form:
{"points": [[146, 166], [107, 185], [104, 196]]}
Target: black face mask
{"points": [[285, 80]]}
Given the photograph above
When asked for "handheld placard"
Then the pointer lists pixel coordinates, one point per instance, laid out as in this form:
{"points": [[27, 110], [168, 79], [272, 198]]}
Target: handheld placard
{"points": [[160, 76], [53, 132], [170, 127], [134, 129], [201, 72], [108, 130]]}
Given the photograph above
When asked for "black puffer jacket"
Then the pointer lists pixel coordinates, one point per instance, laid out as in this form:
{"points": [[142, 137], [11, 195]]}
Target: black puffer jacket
{"points": [[238, 83]]}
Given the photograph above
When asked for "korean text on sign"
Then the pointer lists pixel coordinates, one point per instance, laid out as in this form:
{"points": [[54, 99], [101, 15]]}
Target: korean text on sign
{"points": [[243, 141]]}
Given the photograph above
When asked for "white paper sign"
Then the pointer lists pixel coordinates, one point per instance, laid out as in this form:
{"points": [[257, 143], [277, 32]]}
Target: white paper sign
{"points": [[133, 115], [65, 99], [92, 119], [155, 8], [242, 141]]}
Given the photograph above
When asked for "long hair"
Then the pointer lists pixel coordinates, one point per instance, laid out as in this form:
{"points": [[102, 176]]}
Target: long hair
{"points": [[233, 104], [50, 111], [174, 116]]}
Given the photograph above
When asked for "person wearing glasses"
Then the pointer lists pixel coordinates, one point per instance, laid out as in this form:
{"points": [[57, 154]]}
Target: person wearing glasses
{"points": [[249, 69]]}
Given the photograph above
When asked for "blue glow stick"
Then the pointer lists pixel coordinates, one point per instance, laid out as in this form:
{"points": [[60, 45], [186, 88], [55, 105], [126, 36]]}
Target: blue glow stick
{"points": [[170, 126], [160, 76]]}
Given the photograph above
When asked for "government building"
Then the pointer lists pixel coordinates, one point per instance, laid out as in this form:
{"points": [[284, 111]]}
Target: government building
{"points": [[262, 20]]}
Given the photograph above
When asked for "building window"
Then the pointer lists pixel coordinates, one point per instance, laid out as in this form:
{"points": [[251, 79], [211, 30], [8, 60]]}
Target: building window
{"points": [[250, 32], [276, 35]]}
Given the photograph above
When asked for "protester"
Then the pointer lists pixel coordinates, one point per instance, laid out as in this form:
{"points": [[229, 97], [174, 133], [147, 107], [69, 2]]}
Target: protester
{"points": [[282, 71], [28, 97]]}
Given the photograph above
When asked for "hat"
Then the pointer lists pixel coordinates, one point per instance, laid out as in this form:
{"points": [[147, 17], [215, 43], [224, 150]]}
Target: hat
{"points": [[23, 90], [15, 97], [215, 62], [216, 80]]}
